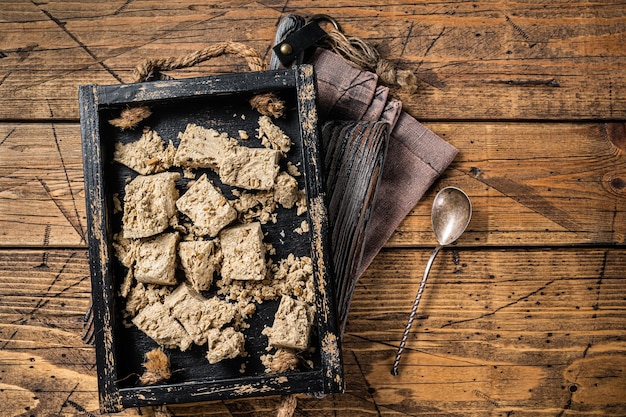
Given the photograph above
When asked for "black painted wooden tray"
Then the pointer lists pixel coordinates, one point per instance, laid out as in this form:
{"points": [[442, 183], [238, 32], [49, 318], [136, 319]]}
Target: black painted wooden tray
{"points": [[219, 102]]}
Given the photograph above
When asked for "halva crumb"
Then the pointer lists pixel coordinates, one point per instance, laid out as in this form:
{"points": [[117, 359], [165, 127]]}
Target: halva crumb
{"points": [[148, 155]]}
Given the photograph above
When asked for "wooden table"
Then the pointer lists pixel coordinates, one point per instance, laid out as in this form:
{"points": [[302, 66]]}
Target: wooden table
{"points": [[526, 315]]}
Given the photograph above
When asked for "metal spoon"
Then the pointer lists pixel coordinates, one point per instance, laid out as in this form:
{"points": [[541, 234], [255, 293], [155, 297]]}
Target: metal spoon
{"points": [[451, 213]]}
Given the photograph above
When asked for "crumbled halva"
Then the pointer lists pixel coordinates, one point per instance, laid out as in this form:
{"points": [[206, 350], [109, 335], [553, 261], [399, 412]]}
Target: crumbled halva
{"points": [[125, 250], [301, 205], [295, 277], [291, 326], [176, 318], [303, 228], [256, 206], [292, 169], [292, 276], [272, 136], [225, 344], [286, 190], [141, 296], [148, 155]]}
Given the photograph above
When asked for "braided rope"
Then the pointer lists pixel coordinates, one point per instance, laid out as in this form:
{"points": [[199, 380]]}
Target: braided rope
{"points": [[287, 406]]}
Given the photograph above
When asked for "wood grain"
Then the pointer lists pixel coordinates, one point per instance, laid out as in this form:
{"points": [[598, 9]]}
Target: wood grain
{"points": [[532, 184], [474, 60], [523, 317], [486, 340], [568, 187], [42, 201]]}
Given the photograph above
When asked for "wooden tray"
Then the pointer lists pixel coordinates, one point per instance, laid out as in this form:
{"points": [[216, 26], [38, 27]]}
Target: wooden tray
{"points": [[219, 102]]}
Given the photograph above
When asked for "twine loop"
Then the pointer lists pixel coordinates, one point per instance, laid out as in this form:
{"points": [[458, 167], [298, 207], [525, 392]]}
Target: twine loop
{"points": [[361, 53]]}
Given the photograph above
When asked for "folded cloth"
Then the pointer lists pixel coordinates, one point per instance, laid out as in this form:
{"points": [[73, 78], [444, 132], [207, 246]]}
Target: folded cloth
{"points": [[391, 112], [377, 106], [415, 158], [344, 92]]}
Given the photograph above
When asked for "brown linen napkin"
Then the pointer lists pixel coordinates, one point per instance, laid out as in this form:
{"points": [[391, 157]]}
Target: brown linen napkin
{"points": [[344, 92], [377, 106], [415, 158]]}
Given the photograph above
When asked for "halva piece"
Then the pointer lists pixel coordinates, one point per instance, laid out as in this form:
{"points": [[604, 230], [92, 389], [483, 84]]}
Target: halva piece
{"points": [[244, 253], [250, 168], [202, 148], [142, 295], [205, 205], [155, 261], [291, 326], [148, 155], [155, 321], [225, 344], [259, 205], [200, 259], [272, 136], [198, 314], [149, 204]]}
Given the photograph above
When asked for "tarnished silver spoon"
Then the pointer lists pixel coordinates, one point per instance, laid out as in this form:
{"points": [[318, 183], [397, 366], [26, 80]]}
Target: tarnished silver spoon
{"points": [[451, 213]]}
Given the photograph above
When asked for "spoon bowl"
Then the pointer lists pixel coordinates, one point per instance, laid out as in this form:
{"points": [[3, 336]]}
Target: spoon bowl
{"points": [[451, 213]]}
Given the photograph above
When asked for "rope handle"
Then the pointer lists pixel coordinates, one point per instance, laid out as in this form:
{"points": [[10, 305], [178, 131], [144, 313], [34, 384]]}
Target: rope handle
{"points": [[267, 104], [150, 67]]}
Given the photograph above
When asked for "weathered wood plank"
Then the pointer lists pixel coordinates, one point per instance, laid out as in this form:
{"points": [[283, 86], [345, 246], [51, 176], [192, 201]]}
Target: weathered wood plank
{"points": [[530, 184], [529, 331], [41, 185], [515, 330], [474, 60], [524, 330]]}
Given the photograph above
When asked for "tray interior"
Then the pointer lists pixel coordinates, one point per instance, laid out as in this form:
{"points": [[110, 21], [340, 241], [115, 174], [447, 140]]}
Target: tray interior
{"points": [[224, 113]]}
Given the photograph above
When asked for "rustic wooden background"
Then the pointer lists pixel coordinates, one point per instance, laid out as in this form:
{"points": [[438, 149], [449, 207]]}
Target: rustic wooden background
{"points": [[525, 316]]}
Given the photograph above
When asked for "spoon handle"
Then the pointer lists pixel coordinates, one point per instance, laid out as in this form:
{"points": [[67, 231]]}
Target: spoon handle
{"points": [[418, 297]]}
